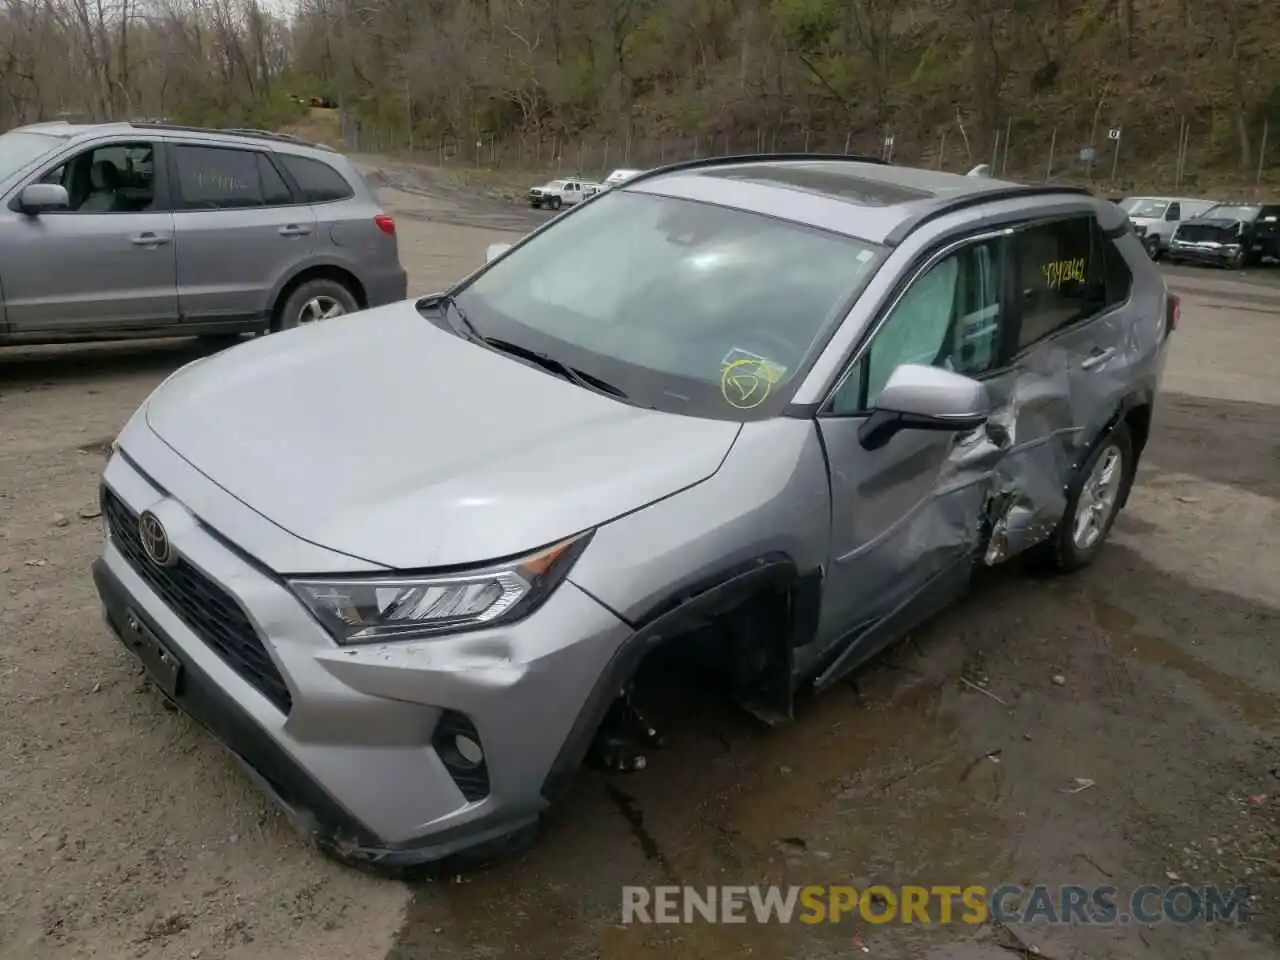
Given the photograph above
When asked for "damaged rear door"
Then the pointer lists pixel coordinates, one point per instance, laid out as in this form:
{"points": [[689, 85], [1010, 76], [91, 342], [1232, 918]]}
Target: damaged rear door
{"points": [[907, 517], [1073, 354]]}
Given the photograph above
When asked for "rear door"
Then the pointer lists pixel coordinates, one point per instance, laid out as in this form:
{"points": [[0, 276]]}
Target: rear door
{"points": [[1072, 362], [105, 264], [239, 230]]}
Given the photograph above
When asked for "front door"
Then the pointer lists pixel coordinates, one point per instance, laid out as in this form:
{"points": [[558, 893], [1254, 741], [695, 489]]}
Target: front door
{"points": [[239, 232], [906, 516], [106, 263]]}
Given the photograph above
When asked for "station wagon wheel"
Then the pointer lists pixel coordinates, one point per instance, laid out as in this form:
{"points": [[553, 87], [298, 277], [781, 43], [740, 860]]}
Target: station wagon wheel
{"points": [[320, 308], [1094, 497], [314, 302]]}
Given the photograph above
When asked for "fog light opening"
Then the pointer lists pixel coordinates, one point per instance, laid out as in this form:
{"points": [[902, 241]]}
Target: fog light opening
{"points": [[468, 750]]}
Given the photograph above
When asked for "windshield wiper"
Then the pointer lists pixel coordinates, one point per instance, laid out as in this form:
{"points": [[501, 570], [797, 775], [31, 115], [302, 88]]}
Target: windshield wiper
{"points": [[467, 329], [558, 367]]}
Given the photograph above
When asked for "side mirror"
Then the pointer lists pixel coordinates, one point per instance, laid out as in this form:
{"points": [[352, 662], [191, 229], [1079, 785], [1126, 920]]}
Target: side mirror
{"points": [[38, 198], [924, 398], [495, 251]]}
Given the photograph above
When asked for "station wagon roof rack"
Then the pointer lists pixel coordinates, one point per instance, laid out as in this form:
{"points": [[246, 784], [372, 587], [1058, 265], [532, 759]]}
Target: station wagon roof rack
{"points": [[945, 205], [230, 131]]}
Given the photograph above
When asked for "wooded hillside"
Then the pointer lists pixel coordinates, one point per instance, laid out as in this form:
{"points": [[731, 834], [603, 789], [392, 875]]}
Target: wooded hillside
{"points": [[976, 80]]}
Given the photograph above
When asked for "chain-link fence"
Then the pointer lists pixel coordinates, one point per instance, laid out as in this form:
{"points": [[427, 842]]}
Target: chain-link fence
{"points": [[1183, 154]]}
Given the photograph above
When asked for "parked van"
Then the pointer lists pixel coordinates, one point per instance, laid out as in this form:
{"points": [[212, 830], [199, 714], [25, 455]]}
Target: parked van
{"points": [[1155, 219]]}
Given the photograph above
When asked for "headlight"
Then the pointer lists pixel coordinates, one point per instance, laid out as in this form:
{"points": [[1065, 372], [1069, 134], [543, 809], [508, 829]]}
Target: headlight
{"points": [[375, 609]]}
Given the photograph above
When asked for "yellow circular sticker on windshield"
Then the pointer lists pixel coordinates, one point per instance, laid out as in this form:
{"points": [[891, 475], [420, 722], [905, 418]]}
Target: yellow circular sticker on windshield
{"points": [[747, 382]]}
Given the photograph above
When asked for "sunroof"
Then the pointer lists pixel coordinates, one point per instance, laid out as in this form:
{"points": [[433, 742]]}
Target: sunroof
{"points": [[867, 193]]}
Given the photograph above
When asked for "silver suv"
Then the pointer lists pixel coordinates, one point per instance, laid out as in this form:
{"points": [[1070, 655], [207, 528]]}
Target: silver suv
{"points": [[147, 229], [775, 409]]}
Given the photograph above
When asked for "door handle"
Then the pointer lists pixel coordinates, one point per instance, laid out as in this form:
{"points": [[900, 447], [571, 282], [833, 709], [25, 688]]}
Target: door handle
{"points": [[148, 239], [294, 230], [1097, 358]]}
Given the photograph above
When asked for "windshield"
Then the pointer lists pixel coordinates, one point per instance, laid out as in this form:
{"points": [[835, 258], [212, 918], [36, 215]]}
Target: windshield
{"points": [[1227, 211], [683, 306], [20, 147], [1148, 208]]}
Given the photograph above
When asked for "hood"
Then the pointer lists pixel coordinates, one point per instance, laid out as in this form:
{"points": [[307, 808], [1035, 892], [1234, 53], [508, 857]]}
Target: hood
{"points": [[1209, 222], [380, 436]]}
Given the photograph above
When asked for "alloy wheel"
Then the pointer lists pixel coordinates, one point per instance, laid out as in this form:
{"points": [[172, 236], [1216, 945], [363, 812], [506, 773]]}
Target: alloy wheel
{"points": [[1098, 498]]}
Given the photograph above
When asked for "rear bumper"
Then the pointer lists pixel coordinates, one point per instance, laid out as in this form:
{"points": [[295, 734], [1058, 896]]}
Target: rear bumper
{"points": [[390, 287]]}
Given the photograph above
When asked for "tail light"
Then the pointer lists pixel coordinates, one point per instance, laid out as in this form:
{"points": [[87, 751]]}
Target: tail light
{"points": [[1172, 313], [386, 224]]}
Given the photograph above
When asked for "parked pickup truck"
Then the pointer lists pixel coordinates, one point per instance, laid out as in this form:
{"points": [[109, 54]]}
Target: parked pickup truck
{"points": [[559, 193]]}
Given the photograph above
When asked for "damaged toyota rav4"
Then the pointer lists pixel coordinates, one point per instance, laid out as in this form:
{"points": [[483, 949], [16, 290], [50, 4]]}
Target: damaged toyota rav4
{"points": [[405, 565]]}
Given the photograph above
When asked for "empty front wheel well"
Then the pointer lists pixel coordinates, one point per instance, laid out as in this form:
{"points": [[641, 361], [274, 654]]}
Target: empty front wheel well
{"points": [[749, 624], [322, 272]]}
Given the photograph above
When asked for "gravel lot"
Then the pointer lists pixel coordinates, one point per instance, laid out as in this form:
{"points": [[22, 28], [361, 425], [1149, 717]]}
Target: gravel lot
{"points": [[127, 832]]}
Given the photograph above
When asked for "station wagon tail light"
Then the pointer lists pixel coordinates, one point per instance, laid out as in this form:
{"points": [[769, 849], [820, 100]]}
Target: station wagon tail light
{"points": [[386, 224]]}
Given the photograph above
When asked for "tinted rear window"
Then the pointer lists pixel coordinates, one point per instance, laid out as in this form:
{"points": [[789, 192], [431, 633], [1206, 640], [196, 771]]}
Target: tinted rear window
{"points": [[318, 182]]}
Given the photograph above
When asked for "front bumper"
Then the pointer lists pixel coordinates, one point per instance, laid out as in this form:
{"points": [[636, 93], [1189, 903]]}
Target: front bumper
{"points": [[1214, 253], [352, 754]]}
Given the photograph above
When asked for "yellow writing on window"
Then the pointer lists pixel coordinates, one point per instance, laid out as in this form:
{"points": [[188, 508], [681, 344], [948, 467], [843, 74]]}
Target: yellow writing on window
{"points": [[1058, 272]]}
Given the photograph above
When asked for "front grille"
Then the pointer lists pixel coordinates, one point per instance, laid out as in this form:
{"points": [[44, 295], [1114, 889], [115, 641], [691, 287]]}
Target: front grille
{"points": [[211, 613]]}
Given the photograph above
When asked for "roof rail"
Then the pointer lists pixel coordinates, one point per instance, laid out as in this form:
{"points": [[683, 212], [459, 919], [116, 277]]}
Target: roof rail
{"points": [[946, 205], [230, 131], [706, 162]]}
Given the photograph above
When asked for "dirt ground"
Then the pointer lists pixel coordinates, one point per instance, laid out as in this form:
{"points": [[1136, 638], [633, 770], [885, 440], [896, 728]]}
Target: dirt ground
{"points": [[127, 832]]}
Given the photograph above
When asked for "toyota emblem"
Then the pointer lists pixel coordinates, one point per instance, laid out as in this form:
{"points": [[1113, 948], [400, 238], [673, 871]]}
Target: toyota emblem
{"points": [[155, 542]]}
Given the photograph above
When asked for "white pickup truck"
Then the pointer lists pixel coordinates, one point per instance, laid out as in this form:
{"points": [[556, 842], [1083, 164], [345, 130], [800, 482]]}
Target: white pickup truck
{"points": [[560, 193]]}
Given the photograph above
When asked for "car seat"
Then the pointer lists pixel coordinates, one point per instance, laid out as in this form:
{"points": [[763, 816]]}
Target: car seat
{"points": [[104, 181]]}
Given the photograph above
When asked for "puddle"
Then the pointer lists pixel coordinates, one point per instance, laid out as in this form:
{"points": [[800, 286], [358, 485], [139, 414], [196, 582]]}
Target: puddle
{"points": [[1255, 706]]}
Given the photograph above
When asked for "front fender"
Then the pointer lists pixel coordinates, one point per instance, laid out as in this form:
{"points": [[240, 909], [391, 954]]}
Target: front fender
{"points": [[770, 498]]}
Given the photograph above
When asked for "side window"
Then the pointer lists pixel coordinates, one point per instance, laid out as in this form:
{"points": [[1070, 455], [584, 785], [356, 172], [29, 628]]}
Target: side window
{"points": [[1174, 212], [113, 178], [218, 178], [318, 181], [275, 192], [1118, 276], [1061, 275], [949, 318]]}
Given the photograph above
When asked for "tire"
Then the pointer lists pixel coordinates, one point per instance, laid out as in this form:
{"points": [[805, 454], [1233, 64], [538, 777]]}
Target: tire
{"points": [[315, 300], [1240, 260], [1065, 551], [555, 203], [1153, 248]]}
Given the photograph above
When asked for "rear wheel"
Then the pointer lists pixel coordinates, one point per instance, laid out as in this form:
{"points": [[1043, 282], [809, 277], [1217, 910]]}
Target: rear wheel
{"points": [[1094, 497], [313, 302]]}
